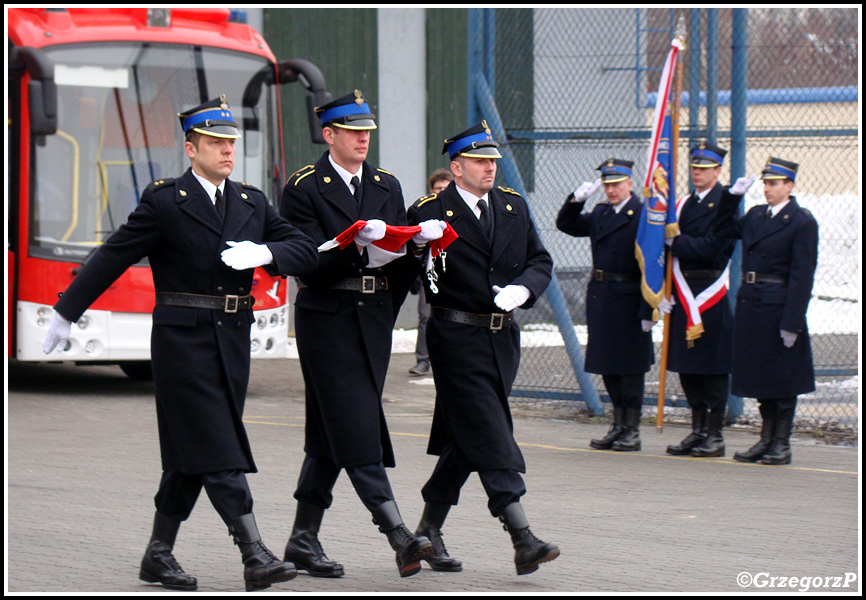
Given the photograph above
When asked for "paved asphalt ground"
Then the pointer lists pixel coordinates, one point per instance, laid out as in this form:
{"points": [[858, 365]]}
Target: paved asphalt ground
{"points": [[83, 465]]}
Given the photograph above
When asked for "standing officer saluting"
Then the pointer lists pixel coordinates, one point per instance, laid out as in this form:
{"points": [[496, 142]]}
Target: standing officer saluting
{"points": [[772, 349], [496, 265], [617, 317], [702, 358], [200, 344], [344, 319]]}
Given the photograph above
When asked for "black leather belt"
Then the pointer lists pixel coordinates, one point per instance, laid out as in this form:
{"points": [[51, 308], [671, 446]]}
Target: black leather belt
{"points": [[752, 277], [368, 284], [702, 274], [229, 304], [494, 322], [600, 275]]}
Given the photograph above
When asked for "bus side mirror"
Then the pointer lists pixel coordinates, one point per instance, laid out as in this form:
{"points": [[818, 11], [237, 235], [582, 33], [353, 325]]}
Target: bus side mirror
{"points": [[41, 90], [309, 76]]}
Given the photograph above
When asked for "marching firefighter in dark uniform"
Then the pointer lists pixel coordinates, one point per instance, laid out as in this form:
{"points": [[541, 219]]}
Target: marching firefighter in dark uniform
{"points": [[702, 358], [772, 357], [617, 317], [344, 319], [203, 234], [496, 265]]}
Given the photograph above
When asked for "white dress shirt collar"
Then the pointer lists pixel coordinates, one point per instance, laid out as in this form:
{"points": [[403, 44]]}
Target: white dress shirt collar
{"points": [[345, 175], [209, 188], [471, 200]]}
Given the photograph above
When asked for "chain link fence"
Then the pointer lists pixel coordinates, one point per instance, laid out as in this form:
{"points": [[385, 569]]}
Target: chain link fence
{"points": [[574, 87]]}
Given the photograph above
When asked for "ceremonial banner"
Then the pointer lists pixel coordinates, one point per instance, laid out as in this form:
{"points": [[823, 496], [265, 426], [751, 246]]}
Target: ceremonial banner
{"points": [[659, 218]]}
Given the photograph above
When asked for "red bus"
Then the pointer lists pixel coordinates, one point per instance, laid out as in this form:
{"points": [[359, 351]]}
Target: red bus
{"points": [[92, 98]]}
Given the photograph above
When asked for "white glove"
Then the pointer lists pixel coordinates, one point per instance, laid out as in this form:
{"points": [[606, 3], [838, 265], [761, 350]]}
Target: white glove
{"points": [[58, 333], [788, 338], [510, 297], [666, 306], [646, 325], [246, 255], [585, 190], [430, 230], [373, 231], [742, 185]]}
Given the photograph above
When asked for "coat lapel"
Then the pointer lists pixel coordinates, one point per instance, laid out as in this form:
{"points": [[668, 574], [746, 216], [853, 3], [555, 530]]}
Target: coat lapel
{"points": [[239, 209], [505, 224], [463, 220], [763, 227], [334, 190], [621, 219], [193, 200], [375, 193]]}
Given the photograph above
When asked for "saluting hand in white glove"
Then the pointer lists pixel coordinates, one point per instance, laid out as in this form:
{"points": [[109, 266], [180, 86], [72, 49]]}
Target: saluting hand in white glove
{"points": [[585, 190]]}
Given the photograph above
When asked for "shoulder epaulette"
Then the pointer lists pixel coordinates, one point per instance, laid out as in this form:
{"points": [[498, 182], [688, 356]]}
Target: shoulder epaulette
{"points": [[249, 186], [300, 173], [424, 200], [386, 172], [508, 190], [161, 183]]}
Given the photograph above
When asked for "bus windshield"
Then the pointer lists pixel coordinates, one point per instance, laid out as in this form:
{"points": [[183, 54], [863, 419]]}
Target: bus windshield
{"points": [[118, 131]]}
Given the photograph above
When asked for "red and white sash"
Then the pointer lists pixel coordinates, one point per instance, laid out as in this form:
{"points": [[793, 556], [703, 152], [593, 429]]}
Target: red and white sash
{"points": [[695, 305]]}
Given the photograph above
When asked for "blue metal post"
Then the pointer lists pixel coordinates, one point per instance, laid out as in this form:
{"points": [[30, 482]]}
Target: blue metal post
{"points": [[712, 73], [511, 174], [739, 107], [490, 49], [475, 58]]}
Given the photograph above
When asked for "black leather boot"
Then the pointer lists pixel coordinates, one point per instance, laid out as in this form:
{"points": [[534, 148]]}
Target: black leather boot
{"points": [[614, 433], [304, 549], [630, 440], [757, 451], [431, 527], [261, 567], [714, 445], [780, 449], [696, 437], [158, 564], [410, 549], [529, 551]]}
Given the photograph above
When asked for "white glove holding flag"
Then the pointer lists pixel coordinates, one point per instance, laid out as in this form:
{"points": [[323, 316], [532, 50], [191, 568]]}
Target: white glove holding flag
{"points": [[58, 333], [373, 231], [646, 325], [510, 297], [666, 306], [246, 255], [585, 190], [742, 185], [430, 230], [788, 338]]}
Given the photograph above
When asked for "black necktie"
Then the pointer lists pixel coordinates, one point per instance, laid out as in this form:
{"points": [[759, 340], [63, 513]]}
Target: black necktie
{"points": [[220, 205], [769, 214], [484, 220], [357, 183]]}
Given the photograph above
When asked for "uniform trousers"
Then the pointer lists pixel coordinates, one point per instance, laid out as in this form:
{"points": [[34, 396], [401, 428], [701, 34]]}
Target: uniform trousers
{"points": [[706, 390], [319, 474], [503, 486], [778, 409], [228, 491], [625, 390]]}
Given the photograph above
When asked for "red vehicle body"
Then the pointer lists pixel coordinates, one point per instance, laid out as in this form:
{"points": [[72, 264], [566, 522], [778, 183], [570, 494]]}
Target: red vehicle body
{"points": [[92, 98]]}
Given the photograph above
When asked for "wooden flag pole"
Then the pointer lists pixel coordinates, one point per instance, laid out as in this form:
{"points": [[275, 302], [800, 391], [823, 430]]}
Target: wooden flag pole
{"points": [[675, 139]]}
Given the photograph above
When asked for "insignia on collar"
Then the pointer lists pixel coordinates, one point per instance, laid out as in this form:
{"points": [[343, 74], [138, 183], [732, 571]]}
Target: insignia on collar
{"points": [[327, 180], [182, 193]]}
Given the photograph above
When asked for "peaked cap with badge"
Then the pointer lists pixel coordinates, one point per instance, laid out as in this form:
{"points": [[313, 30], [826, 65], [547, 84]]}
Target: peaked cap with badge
{"points": [[614, 170], [776, 168], [475, 142], [707, 156], [347, 112], [213, 118]]}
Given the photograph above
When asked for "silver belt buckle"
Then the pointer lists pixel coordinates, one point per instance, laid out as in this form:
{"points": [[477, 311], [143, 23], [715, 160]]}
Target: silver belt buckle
{"points": [[231, 304], [496, 320], [368, 284], [751, 277]]}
